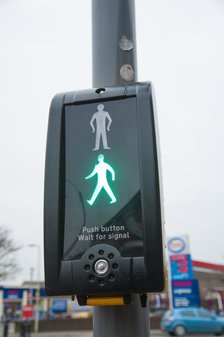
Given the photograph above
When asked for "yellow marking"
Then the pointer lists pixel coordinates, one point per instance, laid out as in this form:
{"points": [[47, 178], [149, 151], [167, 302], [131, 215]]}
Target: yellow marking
{"points": [[105, 301]]}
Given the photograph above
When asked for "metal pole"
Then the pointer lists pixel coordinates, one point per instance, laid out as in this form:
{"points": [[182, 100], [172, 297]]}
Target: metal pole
{"points": [[113, 42], [115, 62]]}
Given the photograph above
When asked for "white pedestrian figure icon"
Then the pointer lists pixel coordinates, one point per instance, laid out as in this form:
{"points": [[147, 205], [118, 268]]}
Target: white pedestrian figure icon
{"points": [[101, 170], [101, 117]]}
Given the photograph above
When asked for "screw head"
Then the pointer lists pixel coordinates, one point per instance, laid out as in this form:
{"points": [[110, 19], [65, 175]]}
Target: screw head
{"points": [[127, 72], [125, 43]]}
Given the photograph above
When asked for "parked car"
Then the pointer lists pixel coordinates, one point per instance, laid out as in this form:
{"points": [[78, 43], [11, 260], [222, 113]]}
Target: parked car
{"points": [[178, 322]]}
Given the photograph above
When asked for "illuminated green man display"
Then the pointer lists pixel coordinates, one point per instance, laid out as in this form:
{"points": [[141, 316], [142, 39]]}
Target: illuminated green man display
{"points": [[101, 170]]}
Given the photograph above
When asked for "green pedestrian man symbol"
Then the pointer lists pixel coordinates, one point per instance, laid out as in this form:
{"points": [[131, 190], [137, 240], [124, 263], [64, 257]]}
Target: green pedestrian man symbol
{"points": [[101, 170]]}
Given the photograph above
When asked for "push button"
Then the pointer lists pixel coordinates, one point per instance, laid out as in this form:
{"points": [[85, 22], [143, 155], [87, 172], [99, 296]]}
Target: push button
{"points": [[101, 267]]}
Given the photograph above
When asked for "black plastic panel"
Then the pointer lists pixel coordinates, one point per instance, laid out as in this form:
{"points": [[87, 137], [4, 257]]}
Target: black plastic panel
{"points": [[124, 217]]}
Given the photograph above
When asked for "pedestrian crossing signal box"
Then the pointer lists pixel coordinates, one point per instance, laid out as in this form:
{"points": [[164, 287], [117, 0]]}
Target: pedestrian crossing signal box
{"points": [[102, 208]]}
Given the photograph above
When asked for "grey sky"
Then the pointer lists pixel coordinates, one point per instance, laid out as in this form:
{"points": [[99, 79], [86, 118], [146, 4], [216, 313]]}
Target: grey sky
{"points": [[46, 48]]}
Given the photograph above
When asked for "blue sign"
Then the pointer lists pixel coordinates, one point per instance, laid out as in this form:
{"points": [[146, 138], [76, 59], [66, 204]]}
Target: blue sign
{"points": [[185, 294], [181, 267], [42, 292], [59, 306], [13, 293]]}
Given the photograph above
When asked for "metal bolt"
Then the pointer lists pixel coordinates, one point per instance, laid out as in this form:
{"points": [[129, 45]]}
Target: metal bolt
{"points": [[125, 43], [127, 72]]}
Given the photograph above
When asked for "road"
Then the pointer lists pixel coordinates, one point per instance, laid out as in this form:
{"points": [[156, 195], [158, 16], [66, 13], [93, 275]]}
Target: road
{"points": [[154, 333]]}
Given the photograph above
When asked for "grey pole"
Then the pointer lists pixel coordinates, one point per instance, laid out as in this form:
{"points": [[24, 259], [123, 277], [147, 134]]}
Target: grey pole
{"points": [[113, 42], [115, 62]]}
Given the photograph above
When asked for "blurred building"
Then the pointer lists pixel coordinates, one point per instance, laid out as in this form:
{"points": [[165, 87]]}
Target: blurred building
{"points": [[211, 283], [209, 275]]}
